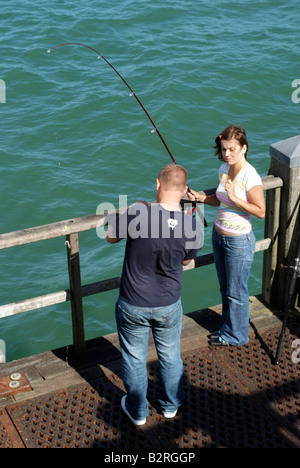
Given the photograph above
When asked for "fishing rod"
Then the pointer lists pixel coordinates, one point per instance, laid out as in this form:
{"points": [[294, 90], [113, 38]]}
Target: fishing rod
{"points": [[289, 300], [132, 93]]}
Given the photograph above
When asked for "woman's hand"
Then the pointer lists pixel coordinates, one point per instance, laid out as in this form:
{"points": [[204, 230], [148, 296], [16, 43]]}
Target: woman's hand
{"points": [[196, 196], [203, 198], [229, 187], [255, 204]]}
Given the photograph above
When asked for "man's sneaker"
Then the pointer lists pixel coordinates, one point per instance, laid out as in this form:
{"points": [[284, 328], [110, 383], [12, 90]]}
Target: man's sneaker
{"points": [[137, 422], [169, 415]]}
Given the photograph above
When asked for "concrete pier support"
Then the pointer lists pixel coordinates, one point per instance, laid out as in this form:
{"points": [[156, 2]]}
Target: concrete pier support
{"points": [[283, 221]]}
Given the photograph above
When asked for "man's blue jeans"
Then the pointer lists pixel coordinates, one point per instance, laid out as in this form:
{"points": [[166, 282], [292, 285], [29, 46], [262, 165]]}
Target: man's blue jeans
{"points": [[233, 259], [134, 326]]}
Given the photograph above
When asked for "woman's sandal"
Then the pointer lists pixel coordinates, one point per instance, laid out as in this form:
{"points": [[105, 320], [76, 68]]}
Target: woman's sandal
{"points": [[218, 341]]}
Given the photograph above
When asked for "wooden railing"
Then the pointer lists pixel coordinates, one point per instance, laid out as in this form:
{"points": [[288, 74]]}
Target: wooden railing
{"points": [[70, 229]]}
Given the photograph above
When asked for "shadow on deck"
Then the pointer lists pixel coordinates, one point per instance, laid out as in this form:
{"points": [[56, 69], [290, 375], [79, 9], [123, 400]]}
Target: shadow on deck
{"points": [[235, 396]]}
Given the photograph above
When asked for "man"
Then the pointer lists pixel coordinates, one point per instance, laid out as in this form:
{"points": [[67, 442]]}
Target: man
{"points": [[161, 238]]}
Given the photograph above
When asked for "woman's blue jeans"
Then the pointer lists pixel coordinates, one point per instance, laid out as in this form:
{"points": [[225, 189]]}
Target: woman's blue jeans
{"points": [[233, 259], [134, 326]]}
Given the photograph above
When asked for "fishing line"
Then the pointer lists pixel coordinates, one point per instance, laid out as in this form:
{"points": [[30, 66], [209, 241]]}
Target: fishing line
{"points": [[132, 93]]}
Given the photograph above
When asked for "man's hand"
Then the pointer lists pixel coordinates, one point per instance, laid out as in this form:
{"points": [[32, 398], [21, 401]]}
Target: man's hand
{"points": [[111, 238]]}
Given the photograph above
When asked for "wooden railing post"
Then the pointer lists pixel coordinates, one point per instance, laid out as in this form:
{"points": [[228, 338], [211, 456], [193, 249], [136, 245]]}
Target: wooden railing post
{"points": [[285, 163], [271, 232], [76, 294]]}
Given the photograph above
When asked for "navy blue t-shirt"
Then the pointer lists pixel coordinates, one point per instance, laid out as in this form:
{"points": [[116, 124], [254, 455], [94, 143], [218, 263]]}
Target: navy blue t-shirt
{"points": [[158, 241]]}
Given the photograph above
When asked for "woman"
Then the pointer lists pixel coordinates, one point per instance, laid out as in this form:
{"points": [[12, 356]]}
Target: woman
{"points": [[239, 195]]}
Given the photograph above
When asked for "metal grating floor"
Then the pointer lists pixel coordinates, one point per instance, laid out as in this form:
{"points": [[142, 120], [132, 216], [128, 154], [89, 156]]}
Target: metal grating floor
{"points": [[236, 397]]}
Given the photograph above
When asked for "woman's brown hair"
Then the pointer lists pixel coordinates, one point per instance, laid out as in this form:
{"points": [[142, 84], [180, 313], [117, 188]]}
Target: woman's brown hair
{"points": [[232, 132]]}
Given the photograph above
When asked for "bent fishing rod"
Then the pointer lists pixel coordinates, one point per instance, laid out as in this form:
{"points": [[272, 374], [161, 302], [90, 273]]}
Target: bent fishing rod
{"points": [[132, 93]]}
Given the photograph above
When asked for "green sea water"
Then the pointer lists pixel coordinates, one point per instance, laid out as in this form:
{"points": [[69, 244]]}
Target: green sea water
{"points": [[72, 138]]}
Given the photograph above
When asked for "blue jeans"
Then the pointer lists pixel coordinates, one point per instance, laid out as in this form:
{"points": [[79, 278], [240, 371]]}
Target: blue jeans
{"points": [[233, 259], [134, 326]]}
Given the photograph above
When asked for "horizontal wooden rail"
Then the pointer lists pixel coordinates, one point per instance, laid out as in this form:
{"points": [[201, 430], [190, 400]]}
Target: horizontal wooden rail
{"points": [[50, 231], [85, 223]]}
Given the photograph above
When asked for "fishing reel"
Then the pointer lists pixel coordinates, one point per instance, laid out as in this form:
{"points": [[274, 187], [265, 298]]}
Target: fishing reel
{"points": [[296, 275]]}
